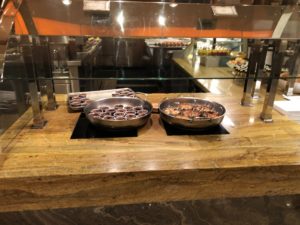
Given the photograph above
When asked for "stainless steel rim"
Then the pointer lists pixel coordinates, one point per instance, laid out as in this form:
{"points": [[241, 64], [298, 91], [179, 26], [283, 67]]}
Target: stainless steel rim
{"points": [[119, 124], [191, 123]]}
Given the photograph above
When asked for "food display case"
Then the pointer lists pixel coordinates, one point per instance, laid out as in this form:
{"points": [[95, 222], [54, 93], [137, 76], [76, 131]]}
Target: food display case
{"points": [[106, 103]]}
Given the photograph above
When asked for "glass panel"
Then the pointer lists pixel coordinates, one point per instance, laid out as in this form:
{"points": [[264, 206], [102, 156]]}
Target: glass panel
{"points": [[169, 47], [128, 59], [163, 19]]}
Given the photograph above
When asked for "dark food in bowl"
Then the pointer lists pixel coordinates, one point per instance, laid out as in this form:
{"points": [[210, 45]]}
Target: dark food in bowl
{"points": [[121, 111], [106, 118], [96, 110], [78, 100], [138, 108], [142, 111], [76, 104], [110, 111], [82, 95], [119, 106], [124, 93], [130, 116], [120, 118], [191, 111], [103, 108], [118, 112], [127, 119], [128, 108], [98, 116]]}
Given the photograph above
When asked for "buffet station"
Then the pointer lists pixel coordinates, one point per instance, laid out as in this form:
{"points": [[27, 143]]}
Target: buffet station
{"points": [[119, 146], [120, 151]]}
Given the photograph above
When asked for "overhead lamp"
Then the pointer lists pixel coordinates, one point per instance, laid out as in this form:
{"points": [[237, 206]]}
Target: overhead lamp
{"points": [[173, 5]]}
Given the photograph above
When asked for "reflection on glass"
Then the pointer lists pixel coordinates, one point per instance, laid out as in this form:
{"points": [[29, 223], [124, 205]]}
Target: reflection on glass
{"points": [[150, 165], [146, 65], [228, 122], [114, 168], [162, 20], [251, 119], [173, 5], [214, 87], [67, 2], [120, 19]]}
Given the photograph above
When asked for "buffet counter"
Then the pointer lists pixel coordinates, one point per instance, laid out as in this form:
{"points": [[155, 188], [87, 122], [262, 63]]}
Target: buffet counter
{"points": [[203, 71], [216, 80], [44, 168]]}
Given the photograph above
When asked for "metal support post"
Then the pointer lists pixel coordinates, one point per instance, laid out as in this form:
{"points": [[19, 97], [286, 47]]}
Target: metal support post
{"points": [[51, 103], [266, 114], [74, 75], [41, 60], [36, 104], [38, 118], [293, 70], [259, 72], [249, 80]]}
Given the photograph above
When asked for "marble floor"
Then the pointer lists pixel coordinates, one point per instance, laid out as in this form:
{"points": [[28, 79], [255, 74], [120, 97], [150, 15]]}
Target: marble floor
{"points": [[280, 210]]}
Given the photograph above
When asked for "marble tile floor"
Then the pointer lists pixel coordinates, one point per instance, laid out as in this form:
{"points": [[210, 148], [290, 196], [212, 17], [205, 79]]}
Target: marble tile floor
{"points": [[280, 210]]}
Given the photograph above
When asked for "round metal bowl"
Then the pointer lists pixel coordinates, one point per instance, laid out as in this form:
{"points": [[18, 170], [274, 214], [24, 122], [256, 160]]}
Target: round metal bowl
{"points": [[193, 123], [119, 124]]}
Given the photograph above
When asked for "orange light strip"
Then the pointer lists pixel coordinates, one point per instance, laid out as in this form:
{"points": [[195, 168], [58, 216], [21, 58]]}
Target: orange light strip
{"points": [[10, 10], [51, 27], [20, 27]]}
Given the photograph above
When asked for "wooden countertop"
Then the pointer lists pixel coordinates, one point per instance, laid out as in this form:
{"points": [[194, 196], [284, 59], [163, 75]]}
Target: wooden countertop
{"points": [[216, 80], [200, 71], [42, 169]]}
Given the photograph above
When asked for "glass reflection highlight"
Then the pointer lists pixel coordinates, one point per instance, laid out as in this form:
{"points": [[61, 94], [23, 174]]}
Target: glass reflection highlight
{"points": [[173, 5], [67, 2], [251, 120], [162, 20], [228, 122], [121, 19]]}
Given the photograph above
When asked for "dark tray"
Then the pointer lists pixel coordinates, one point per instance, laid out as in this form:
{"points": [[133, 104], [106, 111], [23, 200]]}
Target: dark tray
{"points": [[84, 129], [173, 130]]}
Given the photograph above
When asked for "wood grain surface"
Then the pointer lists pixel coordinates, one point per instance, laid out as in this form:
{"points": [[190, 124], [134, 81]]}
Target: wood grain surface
{"points": [[203, 72], [41, 169]]}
